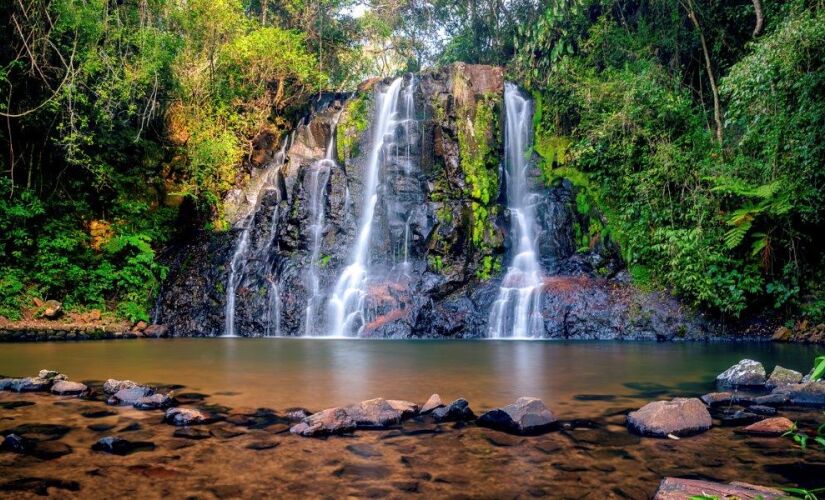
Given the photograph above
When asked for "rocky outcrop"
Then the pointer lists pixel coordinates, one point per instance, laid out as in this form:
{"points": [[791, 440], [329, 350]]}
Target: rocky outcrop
{"points": [[679, 417], [746, 373], [526, 416], [437, 243], [324, 423], [781, 376], [375, 413]]}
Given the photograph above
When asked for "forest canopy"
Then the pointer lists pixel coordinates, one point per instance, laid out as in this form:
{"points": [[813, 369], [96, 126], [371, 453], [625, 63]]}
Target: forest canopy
{"points": [[692, 130]]}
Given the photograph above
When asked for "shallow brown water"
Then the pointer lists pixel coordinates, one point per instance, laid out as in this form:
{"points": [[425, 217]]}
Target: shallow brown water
{"points": [[598, 382]]}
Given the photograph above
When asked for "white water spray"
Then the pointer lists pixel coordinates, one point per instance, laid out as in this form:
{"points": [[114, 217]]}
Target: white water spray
{"points": [[346, 304], [517, 311]]}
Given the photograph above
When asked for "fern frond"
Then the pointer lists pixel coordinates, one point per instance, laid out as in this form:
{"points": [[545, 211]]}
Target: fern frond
{"points": [[736, 234]]}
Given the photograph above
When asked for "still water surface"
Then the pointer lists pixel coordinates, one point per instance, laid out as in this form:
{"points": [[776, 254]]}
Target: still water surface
{"points": [[311, 373]]}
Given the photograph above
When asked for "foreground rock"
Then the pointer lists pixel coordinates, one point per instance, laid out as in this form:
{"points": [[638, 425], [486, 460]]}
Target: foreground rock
{"points": [[781, 376], [185, 416], [717, 398], [432, 403], [66, 388], [527, 416], [375, 413], [155, 402], [672, 488], [130, 396], [775, 426], [746, 373], [679, 417], [325, 423], [807, 394], [457, 411], [112, 386]]}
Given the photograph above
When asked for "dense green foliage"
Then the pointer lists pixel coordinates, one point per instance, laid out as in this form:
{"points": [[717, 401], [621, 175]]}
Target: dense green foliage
{"points": [[625, 112], [692, 133]]}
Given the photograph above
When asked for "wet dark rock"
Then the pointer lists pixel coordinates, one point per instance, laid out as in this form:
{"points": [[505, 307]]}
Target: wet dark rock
{"points": [[763, 410], [680, 417], [185, 416], [155, 402], [192, 433], [809, 394], [594, 397], [120, 446], [94, 413], [66, 388], [263, 445], [39, 432], [100, 427], [773, 399], [112, 386], [6, 384], [134, 426], [11, 405], [781, 376], [49, 450], [432, 403], [39, 485], [226, 432], [525, 416], [735, 418], [156, 331], [717, 398], [746, 373], [457, 411], [13, 442], [130, 396], [679, 489], [363, 450], [31, 384]]}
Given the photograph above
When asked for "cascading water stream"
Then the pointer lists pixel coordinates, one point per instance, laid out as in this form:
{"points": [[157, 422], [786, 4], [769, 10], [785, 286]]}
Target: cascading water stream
{"points": [[320, 172], [240, 258], [517, 311], [346, 304]]}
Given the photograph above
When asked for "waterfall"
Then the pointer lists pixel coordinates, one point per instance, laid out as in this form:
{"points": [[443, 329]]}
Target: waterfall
{"points": [[320, 172], [516, 312], [241, 256], [345, 306]]}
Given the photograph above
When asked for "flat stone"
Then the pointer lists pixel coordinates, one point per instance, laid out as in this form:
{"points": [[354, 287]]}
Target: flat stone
{"points": [[130, 396], [775, 426], [680, 489], [808, 394], [717, 398], [380, 413], [746, 373], [363, 450], [112, 386], [154, 402], [432, 403], [767, 411], [680, 417], [781, 376], [262, 445], [66, 388], [457, 411], [774, 399], [525, 416], [31, 384], [184, 416]]}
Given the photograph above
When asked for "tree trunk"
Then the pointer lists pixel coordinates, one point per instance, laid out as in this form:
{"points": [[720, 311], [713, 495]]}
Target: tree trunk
{"points": [[717, 107], [757, 8]]}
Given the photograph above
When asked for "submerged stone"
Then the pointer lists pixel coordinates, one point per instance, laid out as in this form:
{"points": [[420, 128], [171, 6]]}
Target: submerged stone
{"points": [[154, 402], [130, 396], [775, 426], [717, 398], [185, 416], [525, 416], [680, 417], [120, 446]]}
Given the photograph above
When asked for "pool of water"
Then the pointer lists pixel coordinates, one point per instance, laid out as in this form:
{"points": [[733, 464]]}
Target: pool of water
{"points": [[312, 373]]}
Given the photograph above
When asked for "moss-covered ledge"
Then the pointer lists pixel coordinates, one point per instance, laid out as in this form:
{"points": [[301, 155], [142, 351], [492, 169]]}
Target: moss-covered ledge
{"points": [[47, 331]]}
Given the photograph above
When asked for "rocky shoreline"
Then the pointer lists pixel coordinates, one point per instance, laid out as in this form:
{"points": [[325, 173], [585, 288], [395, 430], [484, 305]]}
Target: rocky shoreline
{"points": [[749, 403]]}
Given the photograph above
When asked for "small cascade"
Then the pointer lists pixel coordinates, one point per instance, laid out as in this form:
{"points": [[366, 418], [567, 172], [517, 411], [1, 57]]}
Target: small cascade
{"points": [[320, 173], [517, 311], [345, 308], [242, 255]]}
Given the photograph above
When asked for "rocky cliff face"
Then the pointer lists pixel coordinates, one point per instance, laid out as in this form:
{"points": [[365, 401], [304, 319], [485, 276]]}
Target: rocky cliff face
{"points": [[438, 239]]}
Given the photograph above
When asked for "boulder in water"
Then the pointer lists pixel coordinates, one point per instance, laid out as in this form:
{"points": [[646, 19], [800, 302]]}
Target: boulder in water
{"points": [[432, 403], [717, 398], [66, 388], [185, 416], [807, 394], [672, 488], [154, 402], [775, 426], [324, 423], [31, 384], [746, 373], [130, 396], [525, 416], [457, 411], [679, 417], [781, 376], [380, 413], [111, 386]]}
